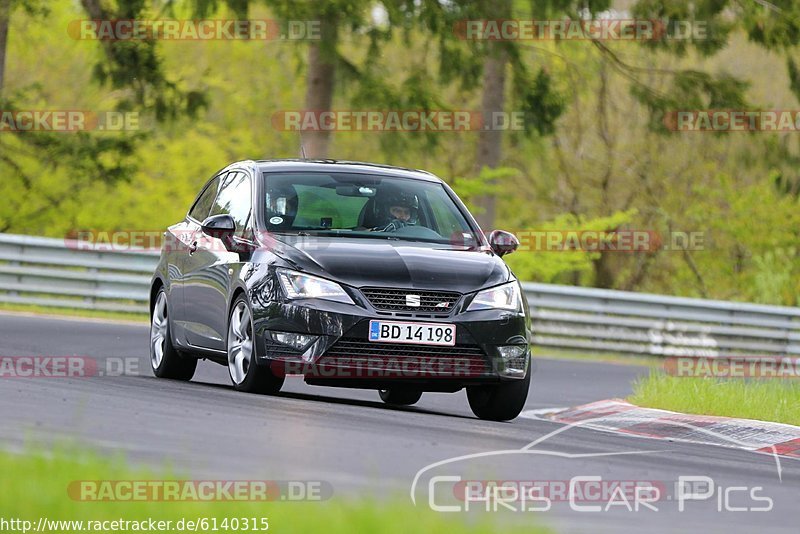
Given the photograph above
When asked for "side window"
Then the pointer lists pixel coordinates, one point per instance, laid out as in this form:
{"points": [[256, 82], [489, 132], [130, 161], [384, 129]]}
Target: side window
{"points": [[202, 205], [234, 199]]}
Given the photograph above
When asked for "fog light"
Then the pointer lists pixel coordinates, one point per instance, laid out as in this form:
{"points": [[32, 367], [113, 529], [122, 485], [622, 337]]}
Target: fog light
{"points": [[514, 360], [511, 351], [296, 341]]}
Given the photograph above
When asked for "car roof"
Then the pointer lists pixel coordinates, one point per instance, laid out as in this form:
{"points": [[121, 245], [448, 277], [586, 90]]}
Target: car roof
{"points": [[330, 165]]}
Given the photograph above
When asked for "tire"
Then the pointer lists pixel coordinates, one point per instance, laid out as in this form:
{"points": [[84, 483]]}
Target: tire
{"points": [[246, 375], [165, 360], [499, 403], [400, 397]]}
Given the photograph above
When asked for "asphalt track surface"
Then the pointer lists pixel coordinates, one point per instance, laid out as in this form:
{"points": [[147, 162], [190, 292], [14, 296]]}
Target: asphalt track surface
{"points": [[349, 439]]}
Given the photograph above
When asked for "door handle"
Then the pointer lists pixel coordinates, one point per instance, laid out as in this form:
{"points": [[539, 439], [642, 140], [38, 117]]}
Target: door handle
{"points": [[193, 248]]}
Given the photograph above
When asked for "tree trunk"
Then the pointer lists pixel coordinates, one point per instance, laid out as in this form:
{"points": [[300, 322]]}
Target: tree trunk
{"points": [[604, 273], [96, 12], [5, 19], [490, 142], [319, 86]]}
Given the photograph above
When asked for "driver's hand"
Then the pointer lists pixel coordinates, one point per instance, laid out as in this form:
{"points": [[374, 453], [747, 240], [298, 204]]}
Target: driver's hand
{"points": [[393, 226]]}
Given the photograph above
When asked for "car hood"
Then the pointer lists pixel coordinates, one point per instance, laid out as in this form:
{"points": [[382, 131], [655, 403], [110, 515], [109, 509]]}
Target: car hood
{"points": [[402, 264]]}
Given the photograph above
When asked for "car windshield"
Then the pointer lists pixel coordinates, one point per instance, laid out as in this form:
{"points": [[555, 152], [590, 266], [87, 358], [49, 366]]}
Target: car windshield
{"points": [[363, 206]]}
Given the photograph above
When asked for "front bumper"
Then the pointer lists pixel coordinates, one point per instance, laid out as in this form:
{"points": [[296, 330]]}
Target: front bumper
{"points": [[341, 355]]}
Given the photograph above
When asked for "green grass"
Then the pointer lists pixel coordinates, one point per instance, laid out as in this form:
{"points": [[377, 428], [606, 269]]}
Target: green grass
{"points": [[35, 485], [767, 399], [607, 357], [74, 312]]}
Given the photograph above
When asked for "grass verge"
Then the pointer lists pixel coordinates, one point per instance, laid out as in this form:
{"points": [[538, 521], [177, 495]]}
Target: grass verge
{"points": [[36, 486], [766, 400], [606, 357], [74, 312]]}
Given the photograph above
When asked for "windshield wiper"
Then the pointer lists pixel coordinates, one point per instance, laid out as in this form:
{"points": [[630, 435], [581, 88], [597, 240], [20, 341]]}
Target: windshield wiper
{"points": [[395, 237], [299, 232], [362, 235], [365, 235]]}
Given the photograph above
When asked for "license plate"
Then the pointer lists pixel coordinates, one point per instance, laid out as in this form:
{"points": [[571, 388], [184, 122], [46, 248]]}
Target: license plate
{"points": [[419, 333]]}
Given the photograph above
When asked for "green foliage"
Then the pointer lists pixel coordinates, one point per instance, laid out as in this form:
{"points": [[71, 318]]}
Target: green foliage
{"points": [[537, 99], [777, 276], [794, 76], [774, 25], [710, 22], [488, 182], [691, 90], [31, 7], [595, 154], [135, 68], [538, 264]]}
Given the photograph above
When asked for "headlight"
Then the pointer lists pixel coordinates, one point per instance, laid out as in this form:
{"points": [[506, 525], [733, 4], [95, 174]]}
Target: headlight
{"points": [[304, 286], [505, 297]]}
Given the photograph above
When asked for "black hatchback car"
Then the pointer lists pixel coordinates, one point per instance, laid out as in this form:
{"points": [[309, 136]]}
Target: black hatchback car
{"points": [[348, 274]]}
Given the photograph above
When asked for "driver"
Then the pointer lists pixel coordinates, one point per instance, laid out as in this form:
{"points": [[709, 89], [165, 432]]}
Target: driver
{"points": [[397, 209]]}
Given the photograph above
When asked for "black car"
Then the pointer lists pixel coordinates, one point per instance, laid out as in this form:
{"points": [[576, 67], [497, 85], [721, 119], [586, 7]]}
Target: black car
{"points": [[349, 274]]}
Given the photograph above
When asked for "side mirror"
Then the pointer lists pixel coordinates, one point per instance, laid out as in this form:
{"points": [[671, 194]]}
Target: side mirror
{"points": [[503, 243], [219, 226]]}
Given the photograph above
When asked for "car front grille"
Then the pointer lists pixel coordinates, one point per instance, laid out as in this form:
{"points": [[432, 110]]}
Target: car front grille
{"points": [[398, 300], [404, 360]]}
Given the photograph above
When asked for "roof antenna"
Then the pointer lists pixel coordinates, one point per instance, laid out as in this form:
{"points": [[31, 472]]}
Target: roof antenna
{"points": [[302, 150]]}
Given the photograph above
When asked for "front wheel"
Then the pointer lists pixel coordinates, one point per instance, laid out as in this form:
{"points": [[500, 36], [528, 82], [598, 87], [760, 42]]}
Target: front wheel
{"points": [[400, 397], [246, 374], [165, 360], [499, 403]]}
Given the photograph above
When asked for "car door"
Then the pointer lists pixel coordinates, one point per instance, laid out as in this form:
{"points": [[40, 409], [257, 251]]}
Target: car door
{"points": [[209, 266], [179, 239]]}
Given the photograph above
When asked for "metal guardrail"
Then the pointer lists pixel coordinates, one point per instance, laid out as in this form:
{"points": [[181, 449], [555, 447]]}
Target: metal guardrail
{"points": [[59, 273], [588, 319], [55, 272]]}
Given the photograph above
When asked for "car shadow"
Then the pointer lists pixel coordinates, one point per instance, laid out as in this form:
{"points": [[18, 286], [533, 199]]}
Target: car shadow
{"points": [[339, 400]]}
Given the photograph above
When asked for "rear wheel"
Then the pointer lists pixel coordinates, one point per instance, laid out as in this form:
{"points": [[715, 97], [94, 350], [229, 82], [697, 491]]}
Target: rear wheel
{"points": [[246, 375], [501, 402], [400, 397], [165, 360]]}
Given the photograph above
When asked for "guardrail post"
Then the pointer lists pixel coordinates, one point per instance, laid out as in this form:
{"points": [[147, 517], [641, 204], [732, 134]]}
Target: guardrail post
{"points": [[90, 299], [15, 263]]}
